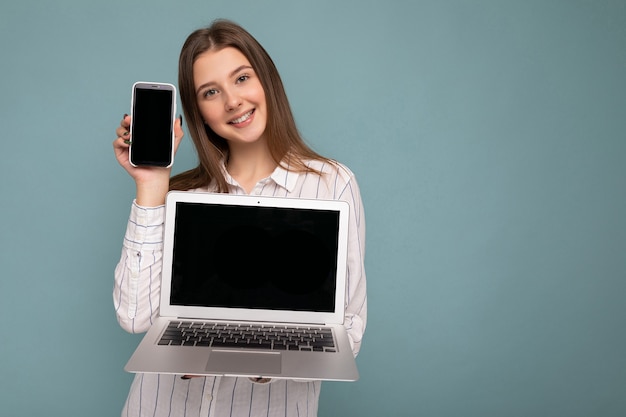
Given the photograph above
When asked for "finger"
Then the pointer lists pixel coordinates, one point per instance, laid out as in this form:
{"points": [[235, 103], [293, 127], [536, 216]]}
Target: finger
{"points": [[122, 130], [178, 132], [125, 121], [122, 133], [260, 380], [178, 127], [120, 146]]}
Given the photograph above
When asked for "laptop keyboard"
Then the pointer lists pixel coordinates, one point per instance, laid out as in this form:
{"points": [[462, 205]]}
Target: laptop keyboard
{"points": [[270, 337]]}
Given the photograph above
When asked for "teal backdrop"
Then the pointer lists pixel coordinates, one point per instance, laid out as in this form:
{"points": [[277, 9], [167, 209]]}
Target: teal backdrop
{"points": [[489, 141]]}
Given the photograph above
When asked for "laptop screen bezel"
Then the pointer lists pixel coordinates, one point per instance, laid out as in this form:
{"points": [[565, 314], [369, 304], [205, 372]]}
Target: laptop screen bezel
{"points": [[260, 315]]}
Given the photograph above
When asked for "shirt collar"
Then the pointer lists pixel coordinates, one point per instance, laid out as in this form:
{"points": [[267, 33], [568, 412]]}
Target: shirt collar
{"points": [[285, 178], [281, 176]]}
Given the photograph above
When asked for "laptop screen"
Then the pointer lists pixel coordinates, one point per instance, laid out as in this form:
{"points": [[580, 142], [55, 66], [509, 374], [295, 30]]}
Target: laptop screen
{"points": [[273, 258]]}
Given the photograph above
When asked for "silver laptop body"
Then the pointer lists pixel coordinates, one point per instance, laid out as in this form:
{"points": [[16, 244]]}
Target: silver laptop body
{"points": [[251, 286]]}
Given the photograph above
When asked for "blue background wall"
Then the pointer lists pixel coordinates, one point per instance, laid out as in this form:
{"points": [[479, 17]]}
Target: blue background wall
{"points": [[489, 141]]}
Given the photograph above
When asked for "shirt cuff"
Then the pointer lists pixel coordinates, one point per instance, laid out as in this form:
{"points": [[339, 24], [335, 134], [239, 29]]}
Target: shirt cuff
{"points": [[145, 227]]}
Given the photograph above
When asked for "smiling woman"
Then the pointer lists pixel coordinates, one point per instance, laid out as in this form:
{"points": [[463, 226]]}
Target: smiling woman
{"points": [[232, 102], [223, 61], [247, 142]]}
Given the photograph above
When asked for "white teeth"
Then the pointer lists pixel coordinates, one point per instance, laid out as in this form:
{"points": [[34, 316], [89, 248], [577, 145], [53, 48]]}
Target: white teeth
{"points": [[242, 118]]}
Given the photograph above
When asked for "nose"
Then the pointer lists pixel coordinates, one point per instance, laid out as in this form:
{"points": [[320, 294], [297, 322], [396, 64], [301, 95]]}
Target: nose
{"points": [[232, 101]]}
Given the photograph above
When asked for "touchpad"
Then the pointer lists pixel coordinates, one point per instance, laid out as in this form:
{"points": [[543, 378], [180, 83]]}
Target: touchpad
{"points": [[244, 363]]}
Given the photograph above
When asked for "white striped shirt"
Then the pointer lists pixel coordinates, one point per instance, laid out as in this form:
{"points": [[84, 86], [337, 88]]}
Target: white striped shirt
{"points": [[136, 301]]}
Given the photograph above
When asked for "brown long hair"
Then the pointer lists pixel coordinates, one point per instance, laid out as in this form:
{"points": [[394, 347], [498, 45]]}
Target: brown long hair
{"points": [[285, 143]]}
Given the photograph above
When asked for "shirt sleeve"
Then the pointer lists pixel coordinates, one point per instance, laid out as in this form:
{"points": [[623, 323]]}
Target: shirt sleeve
{"points": [[138, 274], [356, 295]]}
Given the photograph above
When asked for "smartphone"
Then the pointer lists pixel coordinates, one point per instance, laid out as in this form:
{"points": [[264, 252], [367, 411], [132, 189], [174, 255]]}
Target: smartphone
{"points": [[153, 108]]}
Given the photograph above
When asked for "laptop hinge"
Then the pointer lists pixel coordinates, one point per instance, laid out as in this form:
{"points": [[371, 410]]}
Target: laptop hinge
{"points": [[286, 323]]}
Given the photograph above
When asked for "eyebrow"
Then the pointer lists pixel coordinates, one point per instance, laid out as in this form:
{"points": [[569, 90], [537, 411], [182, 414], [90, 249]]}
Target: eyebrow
{"points": [[232, 74]]}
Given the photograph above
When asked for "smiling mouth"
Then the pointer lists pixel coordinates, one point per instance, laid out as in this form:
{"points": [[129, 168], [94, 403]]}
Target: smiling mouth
{"points": [[241, 119]]}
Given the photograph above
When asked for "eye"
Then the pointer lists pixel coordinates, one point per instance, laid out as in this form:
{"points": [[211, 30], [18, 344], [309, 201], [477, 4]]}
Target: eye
{"points": [[209, 93], [242, 78]]}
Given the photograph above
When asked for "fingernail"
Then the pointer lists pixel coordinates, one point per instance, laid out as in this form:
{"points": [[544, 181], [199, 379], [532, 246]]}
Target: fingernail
{"points": [[127, 141], [180, 117], [185, 377], [124, 117]]}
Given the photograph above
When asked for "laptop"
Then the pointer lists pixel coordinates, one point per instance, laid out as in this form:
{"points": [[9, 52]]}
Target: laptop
{"points": [[251, 286]]}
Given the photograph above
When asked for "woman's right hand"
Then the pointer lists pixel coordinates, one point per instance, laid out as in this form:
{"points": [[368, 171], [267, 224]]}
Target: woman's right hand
{"points": [[152, 182]]}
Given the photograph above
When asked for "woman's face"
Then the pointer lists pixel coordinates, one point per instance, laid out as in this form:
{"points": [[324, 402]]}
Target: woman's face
{"points": [[230, 96]]}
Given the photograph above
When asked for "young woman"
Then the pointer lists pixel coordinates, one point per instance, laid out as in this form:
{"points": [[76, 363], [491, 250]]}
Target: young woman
{"points": [[247, 143]]}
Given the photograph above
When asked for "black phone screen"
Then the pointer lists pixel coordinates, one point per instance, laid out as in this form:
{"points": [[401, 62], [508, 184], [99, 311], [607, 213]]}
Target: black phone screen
{"points": [[152, 127]]}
